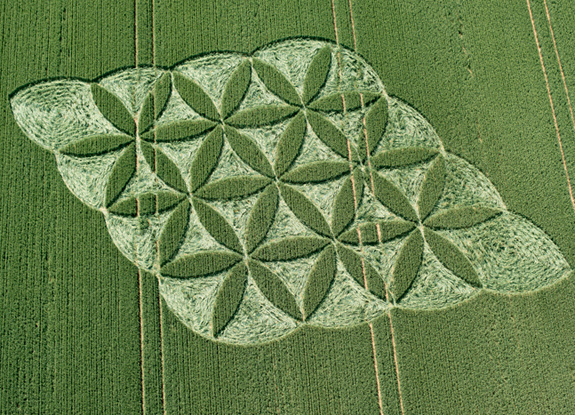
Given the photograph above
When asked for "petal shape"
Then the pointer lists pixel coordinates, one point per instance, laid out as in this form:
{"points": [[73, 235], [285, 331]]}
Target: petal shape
{"points": [[261, 116], [407, 265], [371, 235], [248, 151], [174, 231], [179, 131], [365, 275], [358, 186], [289, 144], [461, 217], [206, 159], [343, 208], [149, 154], [196, 97], [335, 102], [123, 170], [276, 82], [319, 281], [127, 207], [162, 93], [452, 258], [229, 297], [289, 249], [375, 123], [328, 133], [402, 157], [304, 210], [96, 144], [201, 264], [316, 74], [113, 110], [236, 88], [236, 187], [167, 200], [217, 226], [317, 172], [169, 172], [273, 288], [155, 102], [146, 204], [432, 187], [392, 198], [261, 218], [389, 230]]}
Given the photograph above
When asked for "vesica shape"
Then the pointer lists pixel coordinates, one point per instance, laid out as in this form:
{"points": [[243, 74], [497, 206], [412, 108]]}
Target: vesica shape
{"points": [[280, 189]]}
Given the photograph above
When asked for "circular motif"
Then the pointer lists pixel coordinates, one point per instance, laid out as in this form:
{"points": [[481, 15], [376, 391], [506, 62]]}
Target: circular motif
{"points": [[282, 188]]}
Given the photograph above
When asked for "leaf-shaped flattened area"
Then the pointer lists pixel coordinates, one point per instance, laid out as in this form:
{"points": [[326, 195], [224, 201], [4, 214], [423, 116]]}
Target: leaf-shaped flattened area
{"points": [[236, 88], [154, 102], [261, 116], [169, 172], [276, 82], [452, 258], [319, 280], [179, 131], [328, 133], [194, 95], [236, 187], [343, 208], [113, 110], [289, 144], [392, 198], [217, 226], [248, 151], [358, 186], [402, 157], [316, 74], [96, 144], [147, 203], [123, 170], [335, 102], [162, 92], [201, 264], [229, 297], [407, 264], [149, 154], [375, 123], [289, 249], [461, 217], [317, 172], [128, 207], [304, 210], [167, 200], [432, 187], [206, 159], [174, 232], [389, 230], [361, 271], [261, 218], [273, 288], [371, 235]]}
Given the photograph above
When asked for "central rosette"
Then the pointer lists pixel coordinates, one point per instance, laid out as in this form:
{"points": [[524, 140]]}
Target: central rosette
{"points": [[276, 176]]}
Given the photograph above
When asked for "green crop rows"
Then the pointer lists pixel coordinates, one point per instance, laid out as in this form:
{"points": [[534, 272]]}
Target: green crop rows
{"points": [[83, 330]]}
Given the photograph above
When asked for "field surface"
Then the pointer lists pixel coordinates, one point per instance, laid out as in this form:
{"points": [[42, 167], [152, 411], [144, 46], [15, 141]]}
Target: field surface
{"points": [[83, 330]]}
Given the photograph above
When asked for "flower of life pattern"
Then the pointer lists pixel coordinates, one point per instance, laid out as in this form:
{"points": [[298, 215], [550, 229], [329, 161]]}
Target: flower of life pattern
{"points": [[282, 188]]}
